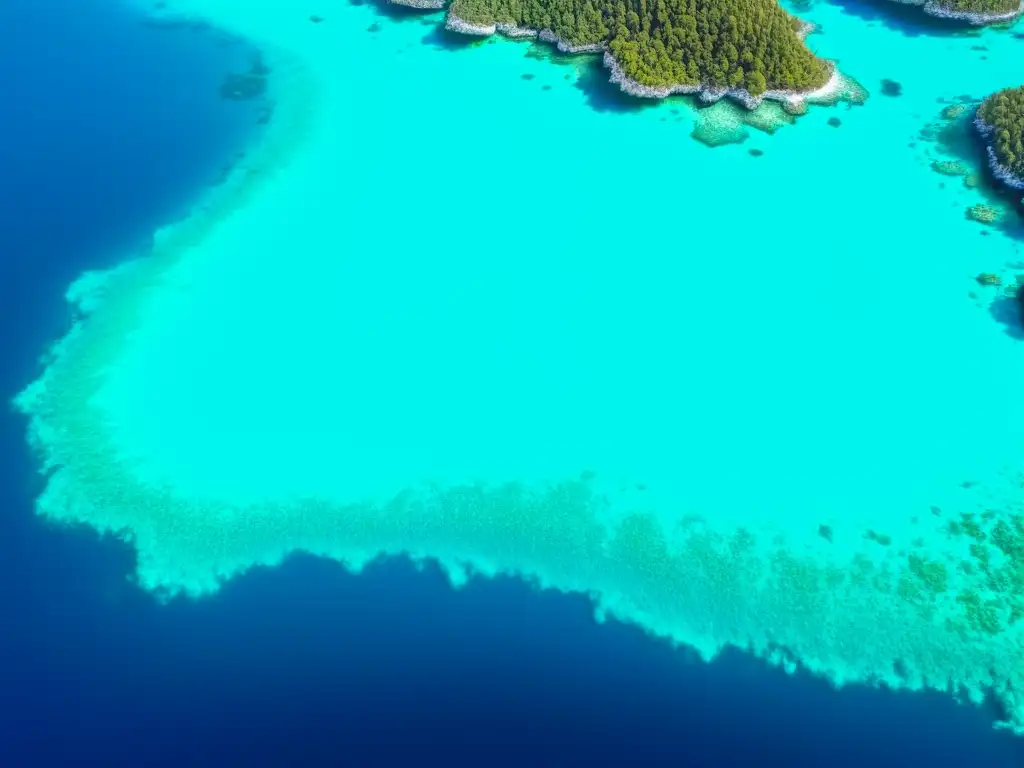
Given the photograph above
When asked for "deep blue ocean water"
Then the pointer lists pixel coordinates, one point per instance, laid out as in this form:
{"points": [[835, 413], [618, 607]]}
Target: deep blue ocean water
{"points": [[107, 129]]}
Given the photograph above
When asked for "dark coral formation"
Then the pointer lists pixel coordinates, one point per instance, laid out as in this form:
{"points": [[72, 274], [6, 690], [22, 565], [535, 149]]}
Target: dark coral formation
{"points": [[949, 167], [997, 552], [891, 88], [983, 214], [248, 85]]}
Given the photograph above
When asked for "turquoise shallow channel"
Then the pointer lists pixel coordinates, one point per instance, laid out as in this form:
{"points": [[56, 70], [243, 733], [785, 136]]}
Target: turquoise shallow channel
{"points": [[465, 301]]}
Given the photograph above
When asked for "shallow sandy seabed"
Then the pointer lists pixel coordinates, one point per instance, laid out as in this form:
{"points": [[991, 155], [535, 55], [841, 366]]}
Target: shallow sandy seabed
{"points": [[291, 370]]}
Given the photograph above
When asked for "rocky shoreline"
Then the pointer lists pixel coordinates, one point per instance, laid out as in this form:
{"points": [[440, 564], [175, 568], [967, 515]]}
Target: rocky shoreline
{"points": [[455, 24], [515, 32], [424, 5], [1000, 171], [709, 95], [549, 37], [932, 8], [706, 94]]}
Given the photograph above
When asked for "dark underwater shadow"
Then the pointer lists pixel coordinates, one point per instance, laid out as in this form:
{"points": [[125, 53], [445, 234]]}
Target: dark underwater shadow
{"points": [[957, 139], [1011, 225], [443, 38], [1006, 311], [909, 20], [400, 12], [602, 94]]}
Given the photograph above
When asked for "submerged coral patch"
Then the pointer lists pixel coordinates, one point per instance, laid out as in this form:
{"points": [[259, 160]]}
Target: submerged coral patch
{"points": [[891, 88], [720, 437]]}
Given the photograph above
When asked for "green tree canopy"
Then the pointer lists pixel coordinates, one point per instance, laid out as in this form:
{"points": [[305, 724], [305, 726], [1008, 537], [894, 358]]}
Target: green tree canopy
{"points": [[984, 7], [1004, 112], [751, 44]]}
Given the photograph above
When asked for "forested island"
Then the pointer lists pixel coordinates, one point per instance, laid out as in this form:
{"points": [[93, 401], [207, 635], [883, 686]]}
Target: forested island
{"points": [[972, 11], [994, 7], [1000, 120], [748, 48]]}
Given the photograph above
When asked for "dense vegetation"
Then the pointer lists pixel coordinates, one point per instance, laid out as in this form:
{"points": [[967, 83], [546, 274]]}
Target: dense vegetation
{"points": [[992, 7], [1004, 111], [750, 44]]}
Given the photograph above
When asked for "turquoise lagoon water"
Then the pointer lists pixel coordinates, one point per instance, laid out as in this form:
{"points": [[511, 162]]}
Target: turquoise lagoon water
{"points": [[467, 303]]}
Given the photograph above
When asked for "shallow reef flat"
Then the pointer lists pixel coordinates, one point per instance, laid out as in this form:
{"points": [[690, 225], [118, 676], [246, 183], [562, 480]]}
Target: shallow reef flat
{"points": [[728, 394]]}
